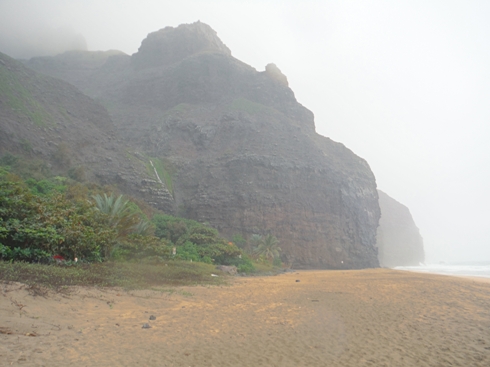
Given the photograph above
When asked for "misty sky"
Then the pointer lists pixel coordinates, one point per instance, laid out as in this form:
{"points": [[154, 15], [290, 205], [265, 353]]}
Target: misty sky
{"points": [[404, 84]]}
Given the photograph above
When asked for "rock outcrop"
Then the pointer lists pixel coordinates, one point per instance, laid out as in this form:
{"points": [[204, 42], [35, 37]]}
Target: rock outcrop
{"points": [[398, 239], [170, 45], [238, 151], [273, 71]]}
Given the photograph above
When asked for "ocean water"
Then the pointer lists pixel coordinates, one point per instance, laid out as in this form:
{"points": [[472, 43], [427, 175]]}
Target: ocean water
{"points": [[473, 269]]}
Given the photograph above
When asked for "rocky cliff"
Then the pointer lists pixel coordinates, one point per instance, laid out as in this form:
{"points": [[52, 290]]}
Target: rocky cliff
{"points": [[67, 132], [235, 148], [398, 238]]}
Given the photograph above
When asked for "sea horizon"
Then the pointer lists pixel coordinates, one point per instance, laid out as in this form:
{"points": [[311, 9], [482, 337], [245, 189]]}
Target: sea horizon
{"points": [[463, 269]]}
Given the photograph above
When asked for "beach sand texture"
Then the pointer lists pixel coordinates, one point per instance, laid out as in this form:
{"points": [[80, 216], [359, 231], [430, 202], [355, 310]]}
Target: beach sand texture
{"points": [[329, 318]]}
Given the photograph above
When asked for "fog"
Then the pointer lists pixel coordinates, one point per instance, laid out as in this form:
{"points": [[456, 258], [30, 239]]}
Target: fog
{"points": [[36, 37], [403, 84]]}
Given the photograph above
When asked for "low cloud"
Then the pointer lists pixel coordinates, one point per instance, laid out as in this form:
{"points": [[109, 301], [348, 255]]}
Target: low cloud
{"points": [[40, 41]]}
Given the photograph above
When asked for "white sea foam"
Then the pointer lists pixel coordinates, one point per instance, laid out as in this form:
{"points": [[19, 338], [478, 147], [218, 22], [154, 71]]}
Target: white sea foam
{"points": [[481, 269]]}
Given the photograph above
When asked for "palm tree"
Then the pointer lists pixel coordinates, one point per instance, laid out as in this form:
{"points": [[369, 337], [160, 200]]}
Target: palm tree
{"points": [[120, 216], [253, 242], [119, 213], [268, 247]]}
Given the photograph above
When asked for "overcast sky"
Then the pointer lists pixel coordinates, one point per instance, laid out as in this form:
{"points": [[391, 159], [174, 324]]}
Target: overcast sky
{"points": [[404, 84]]}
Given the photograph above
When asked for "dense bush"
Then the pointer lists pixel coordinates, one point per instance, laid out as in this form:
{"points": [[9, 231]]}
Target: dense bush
{"points": [[141, 246], [45, 216], [47, 186], [51, 224], [172, 228], [197, 242]]}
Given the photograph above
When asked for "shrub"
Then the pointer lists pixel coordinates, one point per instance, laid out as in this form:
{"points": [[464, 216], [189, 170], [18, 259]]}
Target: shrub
{"points": [[8, 159], [238, 240], [190, 251], [201, 235], [26, 254], [47, 186], [140, 246], [197, 242], [169, 227], [244, 264], [38, 220], [50, 224]]}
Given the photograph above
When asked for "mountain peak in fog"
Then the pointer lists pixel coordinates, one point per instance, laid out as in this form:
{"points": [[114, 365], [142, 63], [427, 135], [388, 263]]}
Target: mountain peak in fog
{"points": [[170, 45]]}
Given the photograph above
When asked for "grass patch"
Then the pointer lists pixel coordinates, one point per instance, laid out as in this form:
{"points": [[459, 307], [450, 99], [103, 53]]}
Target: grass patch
{"points": [[20, 99], [128, 275], [165, 171], [265, 269], [245, 105]]}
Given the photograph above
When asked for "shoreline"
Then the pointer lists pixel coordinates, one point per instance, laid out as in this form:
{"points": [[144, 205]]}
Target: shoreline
{"points": [[373, 317], [484, 279]]}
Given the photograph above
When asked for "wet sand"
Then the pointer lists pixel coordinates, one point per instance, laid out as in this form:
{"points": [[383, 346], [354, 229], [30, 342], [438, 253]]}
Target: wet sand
{"points": [[329, 318]]}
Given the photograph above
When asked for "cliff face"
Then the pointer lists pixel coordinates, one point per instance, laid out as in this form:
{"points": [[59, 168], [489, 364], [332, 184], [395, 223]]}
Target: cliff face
{"points": [[235, 147], [50, 120], [398, 239]]}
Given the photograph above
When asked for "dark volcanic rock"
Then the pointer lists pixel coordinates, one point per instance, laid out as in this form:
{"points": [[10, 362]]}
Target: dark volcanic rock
{"points": [[61, 66], [241, 152], [170, 45], [398, 239]]}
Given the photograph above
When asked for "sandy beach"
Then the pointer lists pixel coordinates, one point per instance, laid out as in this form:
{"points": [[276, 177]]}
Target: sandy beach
{"points": [[310, 318]]}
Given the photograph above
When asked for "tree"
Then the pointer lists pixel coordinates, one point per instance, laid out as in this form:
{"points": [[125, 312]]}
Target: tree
{"points": [[268, 247], [119, 216], [253, 242], [118, 213], [238, 240]]}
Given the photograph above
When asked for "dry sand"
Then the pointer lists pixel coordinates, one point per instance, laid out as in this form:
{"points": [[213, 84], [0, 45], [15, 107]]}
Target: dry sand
{"points": [[329, 318]]}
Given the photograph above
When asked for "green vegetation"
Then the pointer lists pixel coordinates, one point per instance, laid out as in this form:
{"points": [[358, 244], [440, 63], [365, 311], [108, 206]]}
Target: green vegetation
{"points": [[123, 218], [245, 105], [238, 240], [35, 228], [20, 99], [197, 242], [264, 250], [129, 275], [23, 168], [47, 186], [268, 248], [39, 222], [165, 171], [56, 231]]}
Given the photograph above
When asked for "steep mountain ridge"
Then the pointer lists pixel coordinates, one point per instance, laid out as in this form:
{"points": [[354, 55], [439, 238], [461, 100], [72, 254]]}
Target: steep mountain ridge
{"points": [[52, 121], [398, 238], [170, 45], [236, 148]]}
